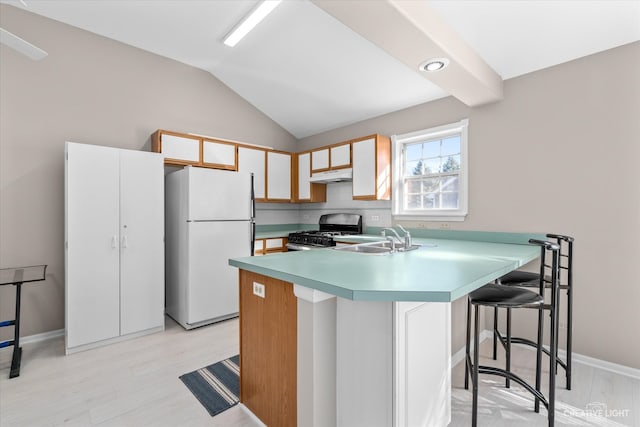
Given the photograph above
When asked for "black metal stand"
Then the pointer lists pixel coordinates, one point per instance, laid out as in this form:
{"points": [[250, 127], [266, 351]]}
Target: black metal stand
{"points": [[18, 276]]}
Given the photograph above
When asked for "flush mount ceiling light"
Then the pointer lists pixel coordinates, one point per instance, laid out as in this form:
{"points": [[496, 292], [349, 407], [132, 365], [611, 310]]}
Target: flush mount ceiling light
{"points": [[434, 64], [250, 21]]}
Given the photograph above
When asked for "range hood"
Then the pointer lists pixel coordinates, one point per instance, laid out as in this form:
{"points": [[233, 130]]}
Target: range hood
{"points": [[337, 175]]}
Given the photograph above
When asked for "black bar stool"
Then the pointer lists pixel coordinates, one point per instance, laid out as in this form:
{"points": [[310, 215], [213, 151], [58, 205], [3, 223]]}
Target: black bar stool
{"points": [[529, 280], [497, 295]]}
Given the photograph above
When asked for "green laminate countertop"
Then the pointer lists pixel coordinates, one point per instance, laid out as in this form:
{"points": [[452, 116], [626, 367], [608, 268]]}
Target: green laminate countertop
{"points": [[442, 270]]}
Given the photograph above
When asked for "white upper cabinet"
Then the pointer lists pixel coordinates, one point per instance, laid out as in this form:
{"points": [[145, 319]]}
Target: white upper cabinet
{"points": [[308, 192], [304, 172], [332, 157], [219, 154], [254, 160], [340, 156], [320, 160], [278, 176], [177, 149], [372, 168]]}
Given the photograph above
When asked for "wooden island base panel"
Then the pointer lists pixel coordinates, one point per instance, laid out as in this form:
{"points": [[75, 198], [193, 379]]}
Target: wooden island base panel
{"points": [[268, 349]]}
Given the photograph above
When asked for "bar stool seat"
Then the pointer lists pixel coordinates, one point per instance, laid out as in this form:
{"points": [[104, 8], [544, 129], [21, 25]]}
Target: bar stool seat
{"points": [[494, 295], [520, 278]]}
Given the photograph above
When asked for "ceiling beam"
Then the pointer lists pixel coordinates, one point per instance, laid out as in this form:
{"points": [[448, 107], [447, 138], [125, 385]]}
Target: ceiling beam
{"points": [[412, 32]]}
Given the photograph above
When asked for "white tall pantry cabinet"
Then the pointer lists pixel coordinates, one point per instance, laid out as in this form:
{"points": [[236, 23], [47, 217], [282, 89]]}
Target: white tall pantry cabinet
{"points": [[114, 241]]}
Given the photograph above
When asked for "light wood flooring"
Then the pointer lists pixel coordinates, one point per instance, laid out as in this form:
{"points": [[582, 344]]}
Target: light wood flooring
{"points": [[135, 383]]}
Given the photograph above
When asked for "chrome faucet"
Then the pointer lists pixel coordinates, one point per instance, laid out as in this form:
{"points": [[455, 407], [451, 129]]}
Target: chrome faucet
{"points": [[390, 238], [392, 242], [407, 237]]}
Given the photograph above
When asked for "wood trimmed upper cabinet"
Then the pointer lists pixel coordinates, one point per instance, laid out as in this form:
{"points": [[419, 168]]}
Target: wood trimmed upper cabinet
{"points": [[320, 160], [178, 149], [340, 156], [182, 150], [281, 176], [279, 170], [372, 168], [336, 156], [306, 191], [254, 160], [219, 154]]}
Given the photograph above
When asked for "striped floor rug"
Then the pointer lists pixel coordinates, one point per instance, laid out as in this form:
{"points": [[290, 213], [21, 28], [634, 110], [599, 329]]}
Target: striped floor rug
{"points": [[216, 386]]}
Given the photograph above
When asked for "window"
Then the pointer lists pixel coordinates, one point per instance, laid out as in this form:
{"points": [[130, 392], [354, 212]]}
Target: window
{"points": [[430, 173]]}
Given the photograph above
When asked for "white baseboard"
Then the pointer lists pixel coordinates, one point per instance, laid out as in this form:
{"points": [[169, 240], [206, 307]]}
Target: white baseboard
{"points": [[459, 355], [49, 335], [626, 371]]}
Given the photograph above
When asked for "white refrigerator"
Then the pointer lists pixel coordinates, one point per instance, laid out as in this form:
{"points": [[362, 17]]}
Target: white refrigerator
{"points": [[209, 216]]}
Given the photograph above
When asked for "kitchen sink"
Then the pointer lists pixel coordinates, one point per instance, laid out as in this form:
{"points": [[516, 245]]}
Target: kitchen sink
{"points": [[375, 248]]}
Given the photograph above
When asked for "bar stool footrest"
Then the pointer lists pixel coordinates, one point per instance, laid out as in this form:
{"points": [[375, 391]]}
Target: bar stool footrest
{"points": [[525, 341], [490, 370]]}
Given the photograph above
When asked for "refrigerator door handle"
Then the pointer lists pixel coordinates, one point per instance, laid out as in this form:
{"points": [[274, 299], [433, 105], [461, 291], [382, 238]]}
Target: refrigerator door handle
{"points": [[253, 238], [253, 200]]}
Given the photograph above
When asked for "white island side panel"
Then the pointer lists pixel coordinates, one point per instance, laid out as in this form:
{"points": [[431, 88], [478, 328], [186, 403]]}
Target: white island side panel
{"points": [[392, 362]]}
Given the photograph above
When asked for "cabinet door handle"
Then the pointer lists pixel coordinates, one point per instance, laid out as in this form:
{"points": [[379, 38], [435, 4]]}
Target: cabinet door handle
{"points": [[125, 242], [114, 242]]}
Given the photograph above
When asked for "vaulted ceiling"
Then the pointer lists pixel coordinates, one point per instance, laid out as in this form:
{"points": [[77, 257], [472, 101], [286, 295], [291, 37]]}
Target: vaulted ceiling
{"points": [[318, 65]]}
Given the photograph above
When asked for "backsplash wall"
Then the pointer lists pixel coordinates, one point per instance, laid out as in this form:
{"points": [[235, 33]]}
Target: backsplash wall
{"points": [[339, 199]]}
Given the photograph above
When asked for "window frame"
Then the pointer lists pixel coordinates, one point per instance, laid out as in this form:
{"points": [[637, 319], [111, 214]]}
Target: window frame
{"points": [[398, 195]]}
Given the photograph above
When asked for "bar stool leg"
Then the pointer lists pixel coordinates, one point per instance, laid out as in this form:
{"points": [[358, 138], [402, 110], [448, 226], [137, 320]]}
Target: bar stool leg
{"points": [[539, 355], [468, 344], [474, 415], [553, 344], [495, 333], [569, 333], [17, 350], [507, 382]]}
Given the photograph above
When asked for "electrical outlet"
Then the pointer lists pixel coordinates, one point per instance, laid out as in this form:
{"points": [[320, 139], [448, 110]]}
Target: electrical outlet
{"points": [[445, 226], [375, 218], [258, 289]]}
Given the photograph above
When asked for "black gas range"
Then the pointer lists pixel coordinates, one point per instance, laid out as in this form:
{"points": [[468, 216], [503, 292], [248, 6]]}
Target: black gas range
{"points": [[330, 226]]}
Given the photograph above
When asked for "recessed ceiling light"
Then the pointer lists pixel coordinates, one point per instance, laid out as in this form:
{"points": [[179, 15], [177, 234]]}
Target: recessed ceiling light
{"points": [[250, 21], [434, 64]]}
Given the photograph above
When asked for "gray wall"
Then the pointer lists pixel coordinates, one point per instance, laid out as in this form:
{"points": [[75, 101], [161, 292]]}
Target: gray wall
{"points": [[558, 155], [98, 91]]}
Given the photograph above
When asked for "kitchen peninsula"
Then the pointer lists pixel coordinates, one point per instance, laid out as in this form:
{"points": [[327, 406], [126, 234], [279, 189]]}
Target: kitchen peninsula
{"points": [[329, 337]]}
